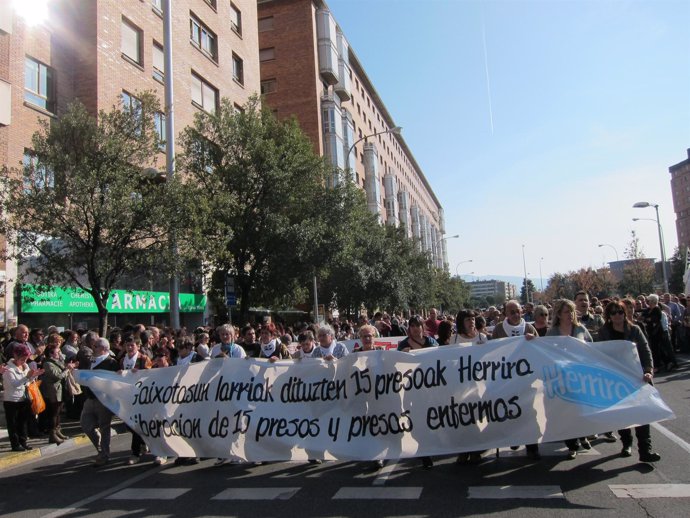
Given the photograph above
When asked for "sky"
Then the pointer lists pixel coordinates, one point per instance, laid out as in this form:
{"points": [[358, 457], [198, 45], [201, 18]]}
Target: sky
{"points": [[537, 123]]}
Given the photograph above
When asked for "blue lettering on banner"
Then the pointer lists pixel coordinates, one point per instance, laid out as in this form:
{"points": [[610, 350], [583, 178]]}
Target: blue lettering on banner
{"points": [[586, 384]]}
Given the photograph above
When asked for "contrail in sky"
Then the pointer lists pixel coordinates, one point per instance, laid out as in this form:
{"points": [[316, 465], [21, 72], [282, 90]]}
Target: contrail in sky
{"points": [[488, 81]]}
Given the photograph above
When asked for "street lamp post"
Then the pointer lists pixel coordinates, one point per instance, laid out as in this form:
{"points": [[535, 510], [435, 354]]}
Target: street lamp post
{"points": [[438, 241], [457, 268], [614, 248], [541, 279], [524, 266], [170, 146], [396, 130], [644, 205]]}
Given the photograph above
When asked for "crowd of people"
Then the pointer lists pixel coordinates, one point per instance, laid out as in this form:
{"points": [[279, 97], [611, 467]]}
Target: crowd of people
{"points": [[658, 326]]}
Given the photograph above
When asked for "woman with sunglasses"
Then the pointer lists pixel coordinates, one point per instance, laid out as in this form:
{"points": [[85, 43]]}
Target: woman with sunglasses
{"points": [[541, 319], [618, 326]]}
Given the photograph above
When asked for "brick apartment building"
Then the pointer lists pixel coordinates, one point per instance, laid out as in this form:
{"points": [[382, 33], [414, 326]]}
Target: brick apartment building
{"points": [[680, 188], [309, 70], [96, 50]]}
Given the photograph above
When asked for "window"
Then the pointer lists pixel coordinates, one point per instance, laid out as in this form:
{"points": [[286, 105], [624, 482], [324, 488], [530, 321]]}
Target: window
{"points": [[36, 176], [131, 41], [203, 38], [237, 69], [157, 4], [39, 85], [268, 86], [266, 24], [159, 123], [235, 19], [267, 54], [204, 95], [131, 104], [158, 62], [212, 3]]}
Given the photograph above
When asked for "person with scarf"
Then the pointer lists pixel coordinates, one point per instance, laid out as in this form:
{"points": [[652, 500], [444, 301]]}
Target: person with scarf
{"points": [[270, 347], [305, 345], [329, 349], [513, 324], [565, 323], [226, 346], [95, 417], [52, 381]]}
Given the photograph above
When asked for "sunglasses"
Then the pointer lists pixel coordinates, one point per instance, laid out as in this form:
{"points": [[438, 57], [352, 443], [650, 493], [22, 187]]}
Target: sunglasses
{"points": [[617, 312]]}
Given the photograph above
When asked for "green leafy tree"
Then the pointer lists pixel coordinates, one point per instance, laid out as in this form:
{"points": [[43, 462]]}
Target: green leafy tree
{"points": [[638, 274], [82, 213], [259, 189], [527, 285]]}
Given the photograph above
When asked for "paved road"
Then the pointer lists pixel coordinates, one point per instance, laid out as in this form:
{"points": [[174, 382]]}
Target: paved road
{"points": [[598, 483]]}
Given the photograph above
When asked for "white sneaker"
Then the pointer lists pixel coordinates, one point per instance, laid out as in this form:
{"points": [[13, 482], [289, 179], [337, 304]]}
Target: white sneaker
{"points": [[134, 459], [159, 461]]}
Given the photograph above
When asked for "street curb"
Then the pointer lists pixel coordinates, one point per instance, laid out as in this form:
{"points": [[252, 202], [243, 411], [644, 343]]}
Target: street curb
{"points": [[15, 459]]}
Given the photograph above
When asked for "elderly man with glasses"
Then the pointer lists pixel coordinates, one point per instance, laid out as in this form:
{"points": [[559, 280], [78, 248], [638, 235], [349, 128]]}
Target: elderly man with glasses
{"points": [[513, 324]]}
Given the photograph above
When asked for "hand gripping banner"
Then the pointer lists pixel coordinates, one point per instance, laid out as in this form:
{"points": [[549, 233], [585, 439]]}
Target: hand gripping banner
{"points": [[385, 404]]}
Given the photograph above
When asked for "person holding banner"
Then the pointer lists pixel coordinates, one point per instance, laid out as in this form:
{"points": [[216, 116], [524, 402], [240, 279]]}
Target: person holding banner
{"points": [[416, 339], [367, 334], [513, 324], [565, 323], [271, 348], [133, 360], [618, 326], [466, 330], [95, 418], [329, 348], [227, 348], [305, 347]]}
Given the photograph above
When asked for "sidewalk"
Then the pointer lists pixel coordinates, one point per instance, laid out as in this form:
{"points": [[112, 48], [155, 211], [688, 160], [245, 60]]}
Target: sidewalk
{"points": [[41, 447]]}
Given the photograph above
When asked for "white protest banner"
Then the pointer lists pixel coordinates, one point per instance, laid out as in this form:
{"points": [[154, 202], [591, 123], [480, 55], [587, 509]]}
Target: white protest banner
{"points": [[385, 404]]}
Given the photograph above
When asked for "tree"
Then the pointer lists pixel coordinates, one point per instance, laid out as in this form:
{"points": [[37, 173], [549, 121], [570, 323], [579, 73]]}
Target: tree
{"points": [[259, 190], [81, 213], [675, 282], [523, 294], [638, 273]]}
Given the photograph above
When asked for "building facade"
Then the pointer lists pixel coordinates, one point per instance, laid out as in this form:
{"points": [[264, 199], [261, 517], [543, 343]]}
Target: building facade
{"points": [[680, 189], [309, 70], [499, 290], [97, 51]]}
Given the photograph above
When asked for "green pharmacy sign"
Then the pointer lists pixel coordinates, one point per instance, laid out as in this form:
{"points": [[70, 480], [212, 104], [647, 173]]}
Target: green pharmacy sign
{"points": [[54, 299]]}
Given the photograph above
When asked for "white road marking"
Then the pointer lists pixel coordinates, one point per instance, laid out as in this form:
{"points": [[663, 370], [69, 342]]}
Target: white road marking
{"points": [[517, 492], [257, 493], [651, 490], [86, 501], [146, 493], [378, 493], [669, 434], [384, 473]]}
